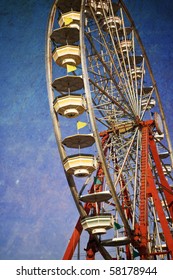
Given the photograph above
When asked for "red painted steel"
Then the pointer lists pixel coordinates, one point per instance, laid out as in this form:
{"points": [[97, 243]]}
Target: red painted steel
{"points": [[152, 191], [148, 189], [143, 207], [163, 182]]}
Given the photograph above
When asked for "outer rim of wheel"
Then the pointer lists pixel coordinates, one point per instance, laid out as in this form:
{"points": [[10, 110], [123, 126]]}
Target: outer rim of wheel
{"points": [[56, 126]]}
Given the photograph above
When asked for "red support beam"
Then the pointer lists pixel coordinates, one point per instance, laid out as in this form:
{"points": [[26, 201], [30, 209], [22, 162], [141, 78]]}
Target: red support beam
{"points": [[73, 242], [143, 207], [75, 237], [152, 191], [148, 189], [166, 188]]}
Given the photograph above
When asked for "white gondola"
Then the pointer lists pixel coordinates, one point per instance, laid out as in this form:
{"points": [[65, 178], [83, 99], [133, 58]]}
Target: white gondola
{"points": [[68, 83], [163, 154], [125, 43], [134, 61], [161, 247], [79, 141], [111, 23], [124, 46], [71, 19], [124, 32], [158, 136], [148, 105], [96, 197], [167, 169], [101, 7], [137, 73], [80, 165], [70, 106], [68, 54], [98, 224], [116, 241], [87, 10], [65, 35], [145, 90]]}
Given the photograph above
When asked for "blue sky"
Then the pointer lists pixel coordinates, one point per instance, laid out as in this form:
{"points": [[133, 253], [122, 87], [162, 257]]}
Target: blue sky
{"points": [[37, 213]]}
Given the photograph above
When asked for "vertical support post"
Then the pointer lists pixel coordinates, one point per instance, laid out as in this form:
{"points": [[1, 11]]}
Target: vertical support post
{"points": [[148, 189], [143, 208], [152, 191], [166, 188]]}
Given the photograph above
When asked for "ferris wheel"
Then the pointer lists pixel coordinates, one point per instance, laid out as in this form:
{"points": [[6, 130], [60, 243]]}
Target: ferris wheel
{"points": [[111, 131]]}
